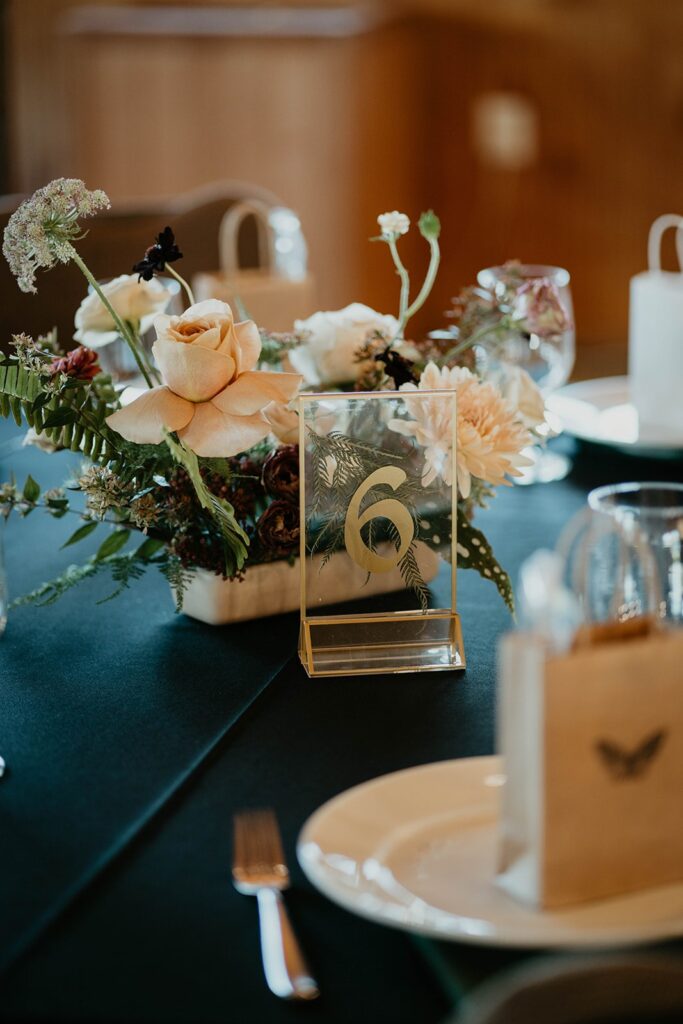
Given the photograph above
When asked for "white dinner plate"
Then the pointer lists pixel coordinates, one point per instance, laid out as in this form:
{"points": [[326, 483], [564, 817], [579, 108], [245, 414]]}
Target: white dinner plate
{"points": [[417, 849], [601, 411]]}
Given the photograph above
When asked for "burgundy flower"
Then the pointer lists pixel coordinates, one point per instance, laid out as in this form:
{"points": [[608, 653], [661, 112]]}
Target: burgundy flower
{"points": [[80, 363], [281, 473], [278, 528]]}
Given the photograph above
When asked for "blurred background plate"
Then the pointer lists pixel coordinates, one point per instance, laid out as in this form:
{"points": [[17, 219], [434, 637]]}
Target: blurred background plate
{"points": [[601, 411]]}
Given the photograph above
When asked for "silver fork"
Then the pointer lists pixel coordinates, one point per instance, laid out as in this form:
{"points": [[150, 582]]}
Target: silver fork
{"points": [[259, 869]]}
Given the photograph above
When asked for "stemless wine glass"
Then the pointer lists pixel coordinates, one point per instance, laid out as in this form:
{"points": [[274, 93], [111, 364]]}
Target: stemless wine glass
{"points": [[547, 357], [636, 552]]}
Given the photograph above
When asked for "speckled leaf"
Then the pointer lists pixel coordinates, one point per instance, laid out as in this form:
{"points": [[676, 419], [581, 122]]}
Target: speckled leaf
{"points": [[474, 552]]}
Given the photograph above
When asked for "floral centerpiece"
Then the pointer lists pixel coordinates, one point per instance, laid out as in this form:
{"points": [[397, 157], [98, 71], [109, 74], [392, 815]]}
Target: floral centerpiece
{"points": [[197, 470]]}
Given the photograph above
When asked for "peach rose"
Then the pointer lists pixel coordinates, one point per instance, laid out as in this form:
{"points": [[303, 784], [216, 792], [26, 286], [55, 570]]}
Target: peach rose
{"points": [[284, 422], [212, 395]]}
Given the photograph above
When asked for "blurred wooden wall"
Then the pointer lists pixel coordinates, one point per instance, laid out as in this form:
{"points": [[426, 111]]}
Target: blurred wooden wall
{"points": [[148, 101], [602, 81], [549, 130]]}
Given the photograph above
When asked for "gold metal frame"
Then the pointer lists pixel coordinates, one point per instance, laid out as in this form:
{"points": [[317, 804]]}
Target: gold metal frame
{"points": [[307, 649]]}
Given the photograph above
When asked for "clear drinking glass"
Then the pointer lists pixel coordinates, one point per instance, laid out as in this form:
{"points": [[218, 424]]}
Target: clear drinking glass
{"points": [[633, 557], [547, 358]]}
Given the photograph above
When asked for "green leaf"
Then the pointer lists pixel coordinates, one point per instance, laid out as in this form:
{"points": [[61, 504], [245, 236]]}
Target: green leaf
{"points": [[234, 537], [60, 417], [31, 490], [149, 548], [40, 400], [114, 542], [81, 533]]}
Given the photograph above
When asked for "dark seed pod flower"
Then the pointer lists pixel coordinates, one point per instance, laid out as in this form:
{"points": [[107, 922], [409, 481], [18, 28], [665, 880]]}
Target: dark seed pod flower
{"points": [[397, 367], [158, 255]]}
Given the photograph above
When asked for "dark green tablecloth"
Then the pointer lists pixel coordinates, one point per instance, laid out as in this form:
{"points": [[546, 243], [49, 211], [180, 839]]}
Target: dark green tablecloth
{"points": [[132, 735]]}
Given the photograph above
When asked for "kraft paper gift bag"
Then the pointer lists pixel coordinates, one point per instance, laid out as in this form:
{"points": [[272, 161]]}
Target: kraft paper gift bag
{"points": [[276, 292], [592, 742]]}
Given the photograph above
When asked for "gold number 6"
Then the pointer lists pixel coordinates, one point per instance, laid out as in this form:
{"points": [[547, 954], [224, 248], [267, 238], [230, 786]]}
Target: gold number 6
{"points": [[387, 508]]}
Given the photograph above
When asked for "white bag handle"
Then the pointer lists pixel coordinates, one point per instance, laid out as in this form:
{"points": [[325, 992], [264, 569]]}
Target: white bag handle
{"points": [[229, 231], [654, 245], [282, 248]]}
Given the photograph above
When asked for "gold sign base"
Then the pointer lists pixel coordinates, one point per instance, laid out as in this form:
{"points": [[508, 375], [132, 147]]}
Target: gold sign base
{"points": [[381, 643]]}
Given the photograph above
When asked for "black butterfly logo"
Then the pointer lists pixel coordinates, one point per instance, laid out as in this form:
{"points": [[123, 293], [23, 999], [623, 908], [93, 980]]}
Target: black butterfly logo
{"points": [[630, 764]]}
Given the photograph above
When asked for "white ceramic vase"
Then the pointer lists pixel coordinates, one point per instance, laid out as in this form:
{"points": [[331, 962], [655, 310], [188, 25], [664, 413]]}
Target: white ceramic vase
{"points": [[274, 587]]}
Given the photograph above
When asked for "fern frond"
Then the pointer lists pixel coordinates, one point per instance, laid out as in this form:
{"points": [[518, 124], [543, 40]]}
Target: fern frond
{"points": [[48, 593], [412, 577], [125, 569], [178, 577], [18, 382]]}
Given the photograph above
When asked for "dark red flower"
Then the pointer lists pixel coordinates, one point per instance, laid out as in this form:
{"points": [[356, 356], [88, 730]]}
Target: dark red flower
{"points": [[278, 528], [281, 472], [80, 363]]}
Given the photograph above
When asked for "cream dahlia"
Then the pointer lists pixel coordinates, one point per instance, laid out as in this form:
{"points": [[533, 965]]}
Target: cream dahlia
{"points": [[490, 434]]}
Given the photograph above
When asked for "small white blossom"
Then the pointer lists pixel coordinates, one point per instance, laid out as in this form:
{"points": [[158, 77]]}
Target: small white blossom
{"points": [[40, 233], [394, 223]]}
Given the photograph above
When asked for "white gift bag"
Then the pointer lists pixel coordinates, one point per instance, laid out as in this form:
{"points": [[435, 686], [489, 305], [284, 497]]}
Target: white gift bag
{"points": [[656, 339], [276, 292], [593, 747]]}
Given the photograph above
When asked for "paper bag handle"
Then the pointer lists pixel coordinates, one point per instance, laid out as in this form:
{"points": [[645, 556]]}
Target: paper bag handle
{"points": [[281, 245], [229, 232], [654, 244]]}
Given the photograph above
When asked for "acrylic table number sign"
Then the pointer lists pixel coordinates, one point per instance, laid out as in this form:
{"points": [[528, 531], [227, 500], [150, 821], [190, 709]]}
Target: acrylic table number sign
{"points": [[379, 508]]}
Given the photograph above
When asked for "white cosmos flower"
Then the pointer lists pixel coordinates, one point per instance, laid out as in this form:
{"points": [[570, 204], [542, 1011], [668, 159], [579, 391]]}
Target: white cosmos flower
{"points": [[394, 223]]}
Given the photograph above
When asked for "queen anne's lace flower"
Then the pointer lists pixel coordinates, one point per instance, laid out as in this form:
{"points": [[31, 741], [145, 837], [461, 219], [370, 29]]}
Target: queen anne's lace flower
{"points": [[490, 435], [394, 223], [41, 232]]}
